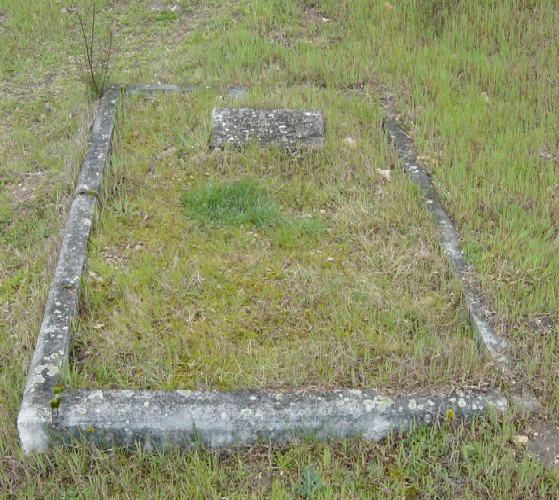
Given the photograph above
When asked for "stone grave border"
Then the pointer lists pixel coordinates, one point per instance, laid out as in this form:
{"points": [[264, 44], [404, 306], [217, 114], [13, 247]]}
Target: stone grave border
{"points": [[50, 414]]}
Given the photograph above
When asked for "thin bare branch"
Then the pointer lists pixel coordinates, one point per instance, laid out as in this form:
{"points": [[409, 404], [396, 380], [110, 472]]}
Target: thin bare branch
{"points": [[88, 54], [97, 65], [107, 59], [92, 27]]}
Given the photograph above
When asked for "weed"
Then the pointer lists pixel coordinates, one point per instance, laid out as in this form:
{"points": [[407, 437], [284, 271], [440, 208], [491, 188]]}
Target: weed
{"points": [[97, 51], [309, 483]]}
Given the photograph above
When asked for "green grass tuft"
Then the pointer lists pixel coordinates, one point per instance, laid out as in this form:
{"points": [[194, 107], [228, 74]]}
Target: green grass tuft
{"points": [[233, 203]]}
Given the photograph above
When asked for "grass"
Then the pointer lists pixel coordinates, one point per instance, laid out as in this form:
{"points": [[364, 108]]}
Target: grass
{"points": [[261, 269], [476, 83], [241, 202], [431, 462]]}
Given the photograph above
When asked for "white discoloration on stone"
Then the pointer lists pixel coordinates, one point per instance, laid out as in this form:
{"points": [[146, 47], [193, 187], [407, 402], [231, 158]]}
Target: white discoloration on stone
{"points": [[369, 405], [414, 405], [52, 370], [37, 379], [378, 429], [462, 403], [380, 403], [245, 412], [356, 392], [185, 394], [96, 395]]}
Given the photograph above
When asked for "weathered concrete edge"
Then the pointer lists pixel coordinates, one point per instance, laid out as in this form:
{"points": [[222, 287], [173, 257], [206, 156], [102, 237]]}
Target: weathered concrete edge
{"points": [[150, 88], [53, 342], [163, 419], [99, 144], [494, 344]]}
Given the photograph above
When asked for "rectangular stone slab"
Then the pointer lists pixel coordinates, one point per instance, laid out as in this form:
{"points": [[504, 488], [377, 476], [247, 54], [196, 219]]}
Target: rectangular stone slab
{"points": [[289, 128]]}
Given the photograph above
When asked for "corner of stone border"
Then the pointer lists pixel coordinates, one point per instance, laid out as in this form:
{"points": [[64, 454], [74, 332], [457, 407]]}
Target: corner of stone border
{"points": [[32, 425]]}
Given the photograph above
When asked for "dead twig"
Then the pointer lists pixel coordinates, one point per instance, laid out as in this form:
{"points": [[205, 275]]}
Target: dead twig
{"points": [[96, 70]]}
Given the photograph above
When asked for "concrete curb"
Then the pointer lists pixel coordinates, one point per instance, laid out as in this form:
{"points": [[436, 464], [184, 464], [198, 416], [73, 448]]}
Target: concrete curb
{"points": [[163, 419], [495, 345], [151, 88], [55, 335], [99, 145], [53, 343], [166, 418]]}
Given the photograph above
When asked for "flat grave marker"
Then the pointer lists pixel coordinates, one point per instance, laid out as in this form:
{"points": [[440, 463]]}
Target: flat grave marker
{"points": [[289, 128]]}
